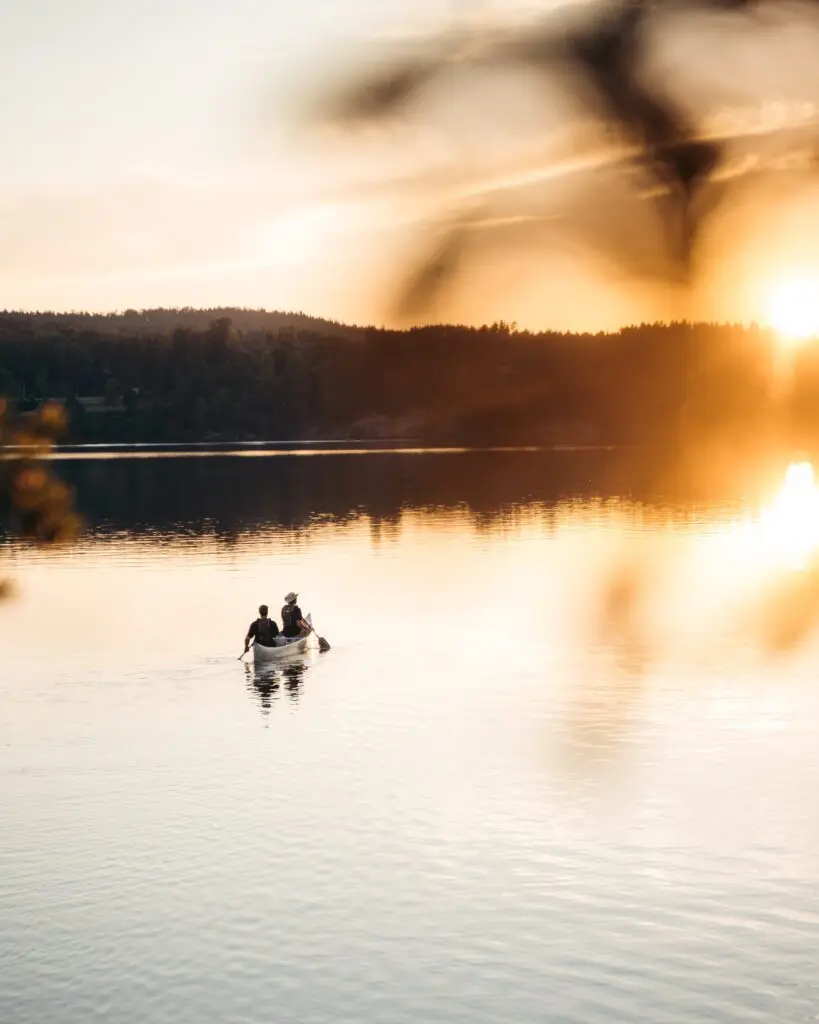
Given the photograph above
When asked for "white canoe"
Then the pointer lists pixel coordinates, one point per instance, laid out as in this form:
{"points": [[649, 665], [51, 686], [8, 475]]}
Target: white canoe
{"points": [[283, 649]]}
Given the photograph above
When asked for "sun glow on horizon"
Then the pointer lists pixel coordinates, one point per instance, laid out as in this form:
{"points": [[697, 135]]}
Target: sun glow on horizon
{"points": [[793, 308]]}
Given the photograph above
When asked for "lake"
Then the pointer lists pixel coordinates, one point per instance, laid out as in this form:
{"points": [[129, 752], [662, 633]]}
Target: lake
{"points": [[561, 763]]}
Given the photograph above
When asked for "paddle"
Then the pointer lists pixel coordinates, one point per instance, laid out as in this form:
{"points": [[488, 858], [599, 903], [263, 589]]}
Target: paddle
{"points": [[324, 646]]}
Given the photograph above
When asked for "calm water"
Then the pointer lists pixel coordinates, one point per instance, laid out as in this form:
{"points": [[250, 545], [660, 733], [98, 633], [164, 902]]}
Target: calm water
{"points": [[553, 769]]}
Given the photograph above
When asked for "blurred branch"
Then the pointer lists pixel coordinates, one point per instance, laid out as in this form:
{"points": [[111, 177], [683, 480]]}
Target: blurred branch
{"points": [[34, 504], [599, 53]]}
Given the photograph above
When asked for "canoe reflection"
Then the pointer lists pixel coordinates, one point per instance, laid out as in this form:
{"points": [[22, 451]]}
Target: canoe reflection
{"points": [[266, 683]]}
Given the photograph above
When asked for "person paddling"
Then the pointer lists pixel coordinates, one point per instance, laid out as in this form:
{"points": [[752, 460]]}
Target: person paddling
{"points": [[264, 631], [293, 623]]}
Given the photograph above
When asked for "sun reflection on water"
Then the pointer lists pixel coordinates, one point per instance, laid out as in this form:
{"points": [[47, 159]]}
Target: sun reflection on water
{"points": [[788, 528]]}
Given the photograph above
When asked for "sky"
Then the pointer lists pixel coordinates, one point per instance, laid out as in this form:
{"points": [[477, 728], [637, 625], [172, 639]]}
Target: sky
{"points": [[146, 158], [154, 154]]}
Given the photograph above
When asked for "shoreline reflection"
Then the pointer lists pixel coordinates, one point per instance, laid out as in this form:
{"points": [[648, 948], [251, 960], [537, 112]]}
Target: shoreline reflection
{"points": [[226, 498]]}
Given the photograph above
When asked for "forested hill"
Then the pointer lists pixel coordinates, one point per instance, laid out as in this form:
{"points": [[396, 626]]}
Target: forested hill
{"points": [[153, 321], [189, 375]]}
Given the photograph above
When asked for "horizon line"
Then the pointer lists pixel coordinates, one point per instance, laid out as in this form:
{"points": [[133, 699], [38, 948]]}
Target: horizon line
{"points": [[511, 326]]}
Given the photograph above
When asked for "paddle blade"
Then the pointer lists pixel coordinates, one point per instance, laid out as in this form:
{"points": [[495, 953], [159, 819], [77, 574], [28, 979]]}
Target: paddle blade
{"points": [[323, 645]]}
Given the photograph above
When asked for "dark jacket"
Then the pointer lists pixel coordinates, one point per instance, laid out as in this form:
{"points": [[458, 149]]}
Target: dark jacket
{"points": [[291, 617], [264, 632]]}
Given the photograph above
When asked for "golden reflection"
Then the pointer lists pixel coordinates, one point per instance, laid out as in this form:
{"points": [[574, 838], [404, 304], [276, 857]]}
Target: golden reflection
{"points": [[777, 566], [789, 526]]}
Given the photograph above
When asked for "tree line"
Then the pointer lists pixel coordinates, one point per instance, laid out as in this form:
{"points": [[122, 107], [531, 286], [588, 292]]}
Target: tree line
{"points": [[187, 375]]}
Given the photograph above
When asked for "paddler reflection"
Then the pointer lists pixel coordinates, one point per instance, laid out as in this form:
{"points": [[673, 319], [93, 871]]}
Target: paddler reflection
{"points": [[267, 684]]}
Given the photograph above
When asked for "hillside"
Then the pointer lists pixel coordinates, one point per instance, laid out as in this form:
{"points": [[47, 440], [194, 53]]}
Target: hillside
{"points": [[162, 321], [158, 377]]}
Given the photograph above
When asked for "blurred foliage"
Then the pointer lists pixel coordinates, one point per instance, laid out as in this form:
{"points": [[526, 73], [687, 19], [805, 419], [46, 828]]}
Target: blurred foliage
{"points": [[667, 175], [34, 504]]}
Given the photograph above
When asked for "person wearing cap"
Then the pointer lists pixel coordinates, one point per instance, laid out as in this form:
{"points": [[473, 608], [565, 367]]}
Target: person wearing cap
{"points": [[293, 623]]}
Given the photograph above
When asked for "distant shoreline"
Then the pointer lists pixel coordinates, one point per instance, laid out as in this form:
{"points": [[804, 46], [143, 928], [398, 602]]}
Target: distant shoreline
{"points": [[350, 446]]}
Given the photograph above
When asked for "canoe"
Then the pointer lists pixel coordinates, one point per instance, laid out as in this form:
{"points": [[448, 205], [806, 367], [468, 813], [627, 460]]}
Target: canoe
{"points": [[284, 648]]}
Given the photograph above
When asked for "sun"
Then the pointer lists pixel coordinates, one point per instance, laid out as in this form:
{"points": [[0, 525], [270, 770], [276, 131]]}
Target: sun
{"points": [[793, 308]]}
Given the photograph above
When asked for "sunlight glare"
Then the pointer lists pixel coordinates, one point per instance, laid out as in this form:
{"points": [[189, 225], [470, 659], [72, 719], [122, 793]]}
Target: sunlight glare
{"points": [[793, 308], [789, 526]]}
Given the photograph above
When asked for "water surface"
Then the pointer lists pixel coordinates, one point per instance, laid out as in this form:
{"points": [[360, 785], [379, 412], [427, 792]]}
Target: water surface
{"points": [[504, 795]]}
